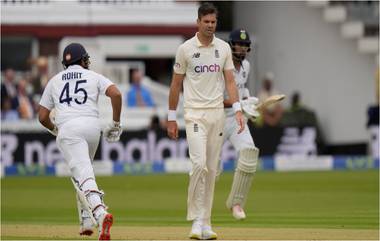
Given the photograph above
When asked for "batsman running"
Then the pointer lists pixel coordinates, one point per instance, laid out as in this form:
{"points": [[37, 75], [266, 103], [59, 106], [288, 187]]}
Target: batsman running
{"points": [[240, 44], [73, 94]]}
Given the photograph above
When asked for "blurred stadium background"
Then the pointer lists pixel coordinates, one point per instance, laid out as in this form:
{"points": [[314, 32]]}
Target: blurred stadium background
{"points": [[321, 154]]}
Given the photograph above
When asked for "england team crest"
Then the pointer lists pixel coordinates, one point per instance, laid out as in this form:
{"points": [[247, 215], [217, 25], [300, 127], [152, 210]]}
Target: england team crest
{"points": [[216, 53]]}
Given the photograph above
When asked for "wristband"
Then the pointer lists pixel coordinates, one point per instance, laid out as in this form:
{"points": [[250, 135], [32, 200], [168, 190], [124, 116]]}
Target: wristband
{"points": [[236, 106], [116, 123], [172, 115]]}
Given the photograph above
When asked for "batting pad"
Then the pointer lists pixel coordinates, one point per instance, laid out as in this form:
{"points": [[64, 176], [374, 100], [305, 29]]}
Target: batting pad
{"points": [[248, 160], [240, 188], [90, 200], [243, 177], [81, 197]]}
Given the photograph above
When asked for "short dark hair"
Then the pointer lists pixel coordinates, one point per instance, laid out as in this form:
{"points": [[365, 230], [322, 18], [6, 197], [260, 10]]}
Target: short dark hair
{"points": [[207, 8]]}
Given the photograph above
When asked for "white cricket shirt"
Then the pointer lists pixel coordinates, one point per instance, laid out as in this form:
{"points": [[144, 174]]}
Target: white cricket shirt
{"points": [[241, 79], [203, 67], [74, 93]]}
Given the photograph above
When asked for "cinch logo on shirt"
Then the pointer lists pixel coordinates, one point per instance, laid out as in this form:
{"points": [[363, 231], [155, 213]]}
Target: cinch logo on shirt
{"points": [[207, 68]]}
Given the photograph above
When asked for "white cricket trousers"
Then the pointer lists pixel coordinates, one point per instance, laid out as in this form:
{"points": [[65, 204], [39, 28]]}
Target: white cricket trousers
{"points": [[239, 141], [204, 132], [78, 140]]}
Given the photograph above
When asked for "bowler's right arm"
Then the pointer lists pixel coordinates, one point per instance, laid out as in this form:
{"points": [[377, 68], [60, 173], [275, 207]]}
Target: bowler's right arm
{"points": [[175, 89]]}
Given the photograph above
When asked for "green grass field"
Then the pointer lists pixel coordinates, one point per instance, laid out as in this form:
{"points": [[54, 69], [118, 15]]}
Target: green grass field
{"points": [[347, 200]]}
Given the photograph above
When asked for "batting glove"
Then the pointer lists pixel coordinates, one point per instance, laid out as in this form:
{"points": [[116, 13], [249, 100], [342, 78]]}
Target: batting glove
{"points": [[113, 131], [249, 107]]}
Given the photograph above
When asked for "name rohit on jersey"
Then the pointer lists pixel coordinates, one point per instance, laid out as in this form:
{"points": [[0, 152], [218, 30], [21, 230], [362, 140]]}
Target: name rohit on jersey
{"points": [[71, 75], [207, 68]]}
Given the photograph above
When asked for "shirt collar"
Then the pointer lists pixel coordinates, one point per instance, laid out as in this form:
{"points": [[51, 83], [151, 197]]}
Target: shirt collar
{"points": [[75, 66], [199, 44]]}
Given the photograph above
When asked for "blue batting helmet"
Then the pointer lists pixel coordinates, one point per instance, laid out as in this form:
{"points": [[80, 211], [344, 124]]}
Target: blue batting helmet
{"points": [[73, 53], [239, 36]]}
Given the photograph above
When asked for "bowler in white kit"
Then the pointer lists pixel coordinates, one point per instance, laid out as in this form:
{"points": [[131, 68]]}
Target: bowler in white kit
{"points": [[240, 44], [73, 94], [203, 67]]}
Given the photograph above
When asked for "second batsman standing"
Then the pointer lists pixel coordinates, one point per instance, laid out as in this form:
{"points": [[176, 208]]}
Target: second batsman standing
{"points": [[204, 68], [243, 143]]}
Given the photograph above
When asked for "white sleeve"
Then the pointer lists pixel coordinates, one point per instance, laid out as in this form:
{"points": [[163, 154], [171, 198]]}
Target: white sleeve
{"points": [[47, 98], [180, 65], [103, 84]]}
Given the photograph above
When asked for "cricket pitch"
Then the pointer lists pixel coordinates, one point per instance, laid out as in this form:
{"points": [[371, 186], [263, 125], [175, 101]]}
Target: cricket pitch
{"points": [[61, 232]]}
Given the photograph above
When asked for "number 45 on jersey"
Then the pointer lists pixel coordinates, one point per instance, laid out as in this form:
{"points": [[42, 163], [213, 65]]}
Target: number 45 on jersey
{"points": [[65, 94]]}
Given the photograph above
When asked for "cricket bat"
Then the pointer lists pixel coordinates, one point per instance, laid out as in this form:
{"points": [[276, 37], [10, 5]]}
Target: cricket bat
{"points": [[270, 101]]}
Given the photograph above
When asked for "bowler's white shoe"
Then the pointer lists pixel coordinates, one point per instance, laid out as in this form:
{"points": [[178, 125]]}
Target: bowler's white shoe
{"points": [[196, 230], [208, 234], [238, 212], [86, 226], [105, 222]]}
